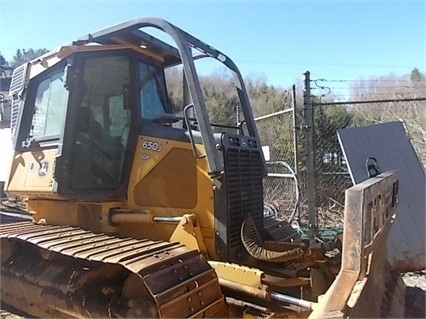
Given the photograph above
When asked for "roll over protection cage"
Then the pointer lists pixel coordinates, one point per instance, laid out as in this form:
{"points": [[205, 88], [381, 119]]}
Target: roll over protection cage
{"points": [[128, 32]]}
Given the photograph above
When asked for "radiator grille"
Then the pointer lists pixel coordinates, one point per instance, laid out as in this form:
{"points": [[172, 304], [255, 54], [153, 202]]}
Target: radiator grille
{"points": [[243, 171], [18, 79], [14, 114], [16, 86]]}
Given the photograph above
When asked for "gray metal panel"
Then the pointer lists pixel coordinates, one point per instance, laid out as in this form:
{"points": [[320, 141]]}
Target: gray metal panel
{"points": [[389, 144]]}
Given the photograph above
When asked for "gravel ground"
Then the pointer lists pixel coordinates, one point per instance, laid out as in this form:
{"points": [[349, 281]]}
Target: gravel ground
{"points": [[7, 312], [415, 296], [415, 279]]}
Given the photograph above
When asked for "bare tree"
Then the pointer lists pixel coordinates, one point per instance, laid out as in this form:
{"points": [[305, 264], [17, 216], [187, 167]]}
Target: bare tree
{"points": [[412, 114]]}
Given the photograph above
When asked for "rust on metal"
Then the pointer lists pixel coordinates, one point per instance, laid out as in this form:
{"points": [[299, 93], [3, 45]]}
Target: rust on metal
{"points": [[179, 280], [370, 209]]}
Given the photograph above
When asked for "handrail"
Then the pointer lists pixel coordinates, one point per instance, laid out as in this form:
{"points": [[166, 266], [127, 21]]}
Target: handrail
{"points": [[188, 126]]}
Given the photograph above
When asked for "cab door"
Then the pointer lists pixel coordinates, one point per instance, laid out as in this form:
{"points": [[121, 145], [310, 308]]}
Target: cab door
{"points": [[97, 141], [39, 133]]}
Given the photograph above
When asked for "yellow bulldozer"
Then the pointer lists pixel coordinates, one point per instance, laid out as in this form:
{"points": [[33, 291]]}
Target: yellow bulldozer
{"points": [[139, 211]]}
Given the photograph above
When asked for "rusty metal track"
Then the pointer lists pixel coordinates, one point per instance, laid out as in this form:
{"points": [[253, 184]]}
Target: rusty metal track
{"points": [[180, 280]]}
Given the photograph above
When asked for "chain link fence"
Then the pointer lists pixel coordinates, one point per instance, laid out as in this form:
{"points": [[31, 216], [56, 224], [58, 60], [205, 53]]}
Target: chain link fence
{"points": [[331, 171], [321, 190], [282, 135], [280, 186]]}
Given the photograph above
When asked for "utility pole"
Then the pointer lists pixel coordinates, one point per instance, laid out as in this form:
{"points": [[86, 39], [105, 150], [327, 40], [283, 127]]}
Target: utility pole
{"points": [[310, 157]]}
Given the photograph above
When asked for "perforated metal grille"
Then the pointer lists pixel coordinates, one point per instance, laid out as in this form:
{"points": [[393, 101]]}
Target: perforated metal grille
{"points": [[16, 86], [14, 114], [18, 79], [245, 192]]}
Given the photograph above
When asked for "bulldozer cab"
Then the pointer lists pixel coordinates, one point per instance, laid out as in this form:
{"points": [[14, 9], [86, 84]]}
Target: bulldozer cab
{"points": [[78, 109]]}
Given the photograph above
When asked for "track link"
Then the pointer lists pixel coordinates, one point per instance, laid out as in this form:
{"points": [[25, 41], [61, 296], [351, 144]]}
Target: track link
{"points": [[180, 281]]}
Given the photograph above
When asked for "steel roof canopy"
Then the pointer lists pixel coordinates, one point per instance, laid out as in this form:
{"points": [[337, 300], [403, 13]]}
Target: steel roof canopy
{"points": [[130, 33]]}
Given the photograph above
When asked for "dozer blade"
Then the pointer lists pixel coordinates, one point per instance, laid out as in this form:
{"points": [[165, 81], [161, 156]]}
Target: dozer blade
{"points": [[365, 286], [62, 271]]}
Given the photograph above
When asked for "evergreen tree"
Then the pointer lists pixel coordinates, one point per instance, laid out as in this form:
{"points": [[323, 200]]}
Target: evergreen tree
{"points": [[26, 55], [416, 75], [3, 61]]}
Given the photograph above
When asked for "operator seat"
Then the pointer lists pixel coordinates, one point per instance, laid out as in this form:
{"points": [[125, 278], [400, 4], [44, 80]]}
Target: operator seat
{"points": [[88, 132]]}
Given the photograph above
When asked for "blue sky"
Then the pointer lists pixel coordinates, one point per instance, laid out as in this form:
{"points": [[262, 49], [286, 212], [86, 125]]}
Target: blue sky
{"points": [[278, 40]]}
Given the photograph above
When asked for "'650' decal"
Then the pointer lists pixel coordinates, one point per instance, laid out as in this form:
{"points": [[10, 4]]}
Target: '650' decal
{"points": [[151, 146]]}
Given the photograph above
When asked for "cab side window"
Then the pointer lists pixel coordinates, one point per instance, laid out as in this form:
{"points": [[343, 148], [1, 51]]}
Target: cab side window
{"points": [[49, 107], [151, 91]]}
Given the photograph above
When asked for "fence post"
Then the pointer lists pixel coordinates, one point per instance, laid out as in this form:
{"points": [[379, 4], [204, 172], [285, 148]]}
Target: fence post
{"points": [[310, 157], [295, 142]]}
